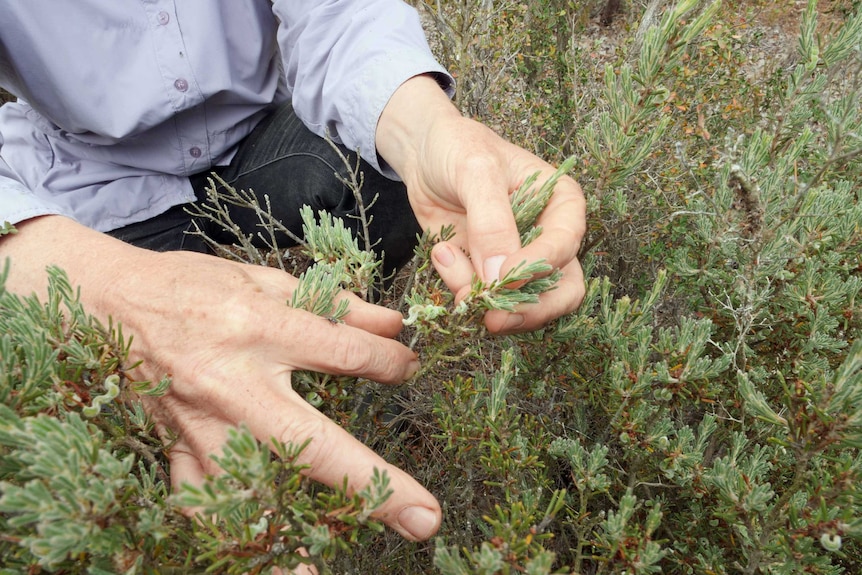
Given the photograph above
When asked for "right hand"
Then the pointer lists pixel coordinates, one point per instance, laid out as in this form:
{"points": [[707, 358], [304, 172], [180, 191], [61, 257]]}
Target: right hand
{"points": [[459, 172]]}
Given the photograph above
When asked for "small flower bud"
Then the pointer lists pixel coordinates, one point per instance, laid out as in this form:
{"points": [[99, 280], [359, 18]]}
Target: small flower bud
{"points": [[831, 542]]}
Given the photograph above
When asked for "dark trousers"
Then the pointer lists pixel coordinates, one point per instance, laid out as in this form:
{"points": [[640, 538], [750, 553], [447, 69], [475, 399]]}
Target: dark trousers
{"points": [[283, 160]]}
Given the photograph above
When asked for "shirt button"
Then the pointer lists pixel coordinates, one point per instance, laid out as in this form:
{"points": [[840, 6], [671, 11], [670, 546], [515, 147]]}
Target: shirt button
{"points": [[163, 18], [181, 85], [195, 152]]}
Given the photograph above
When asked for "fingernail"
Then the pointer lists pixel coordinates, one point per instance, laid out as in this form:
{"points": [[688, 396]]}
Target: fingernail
{"points": [[444, 255], [514, 321], [492, 268], [420, 522]]}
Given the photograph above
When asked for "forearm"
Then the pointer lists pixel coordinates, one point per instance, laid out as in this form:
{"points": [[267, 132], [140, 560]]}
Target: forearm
{"points": [[91, 259]]}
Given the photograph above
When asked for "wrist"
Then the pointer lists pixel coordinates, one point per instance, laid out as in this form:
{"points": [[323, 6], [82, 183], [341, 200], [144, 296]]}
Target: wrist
{"points": [[407, 120], [90, 259]]}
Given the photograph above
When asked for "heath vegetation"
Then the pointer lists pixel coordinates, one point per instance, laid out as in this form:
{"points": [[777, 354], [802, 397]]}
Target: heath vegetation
{"points": [[701, 413]]}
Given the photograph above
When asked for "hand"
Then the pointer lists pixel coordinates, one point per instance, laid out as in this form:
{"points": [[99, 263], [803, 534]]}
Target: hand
{"points": [[458, 172], [224, 333], [230, 342]]}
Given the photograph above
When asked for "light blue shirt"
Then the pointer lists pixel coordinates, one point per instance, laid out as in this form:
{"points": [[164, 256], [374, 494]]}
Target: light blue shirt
{"points": [[120, 101]]}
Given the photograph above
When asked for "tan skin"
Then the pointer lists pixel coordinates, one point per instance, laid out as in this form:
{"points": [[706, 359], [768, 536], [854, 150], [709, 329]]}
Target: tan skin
{"points": [[223, 332]]}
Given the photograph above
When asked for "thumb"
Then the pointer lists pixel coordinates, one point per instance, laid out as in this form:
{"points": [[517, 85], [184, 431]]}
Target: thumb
{"points": [[492, 234]]}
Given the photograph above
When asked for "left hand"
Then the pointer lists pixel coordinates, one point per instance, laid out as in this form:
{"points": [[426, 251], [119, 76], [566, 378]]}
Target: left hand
{"points": [[459, 172], [223, 332]]}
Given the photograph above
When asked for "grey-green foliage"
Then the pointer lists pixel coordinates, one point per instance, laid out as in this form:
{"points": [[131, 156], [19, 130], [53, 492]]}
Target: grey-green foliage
{"points": [[318, 290], [68, 489], [775, 479], [259, 513], [528, 202], [467, 31], [515, 543], [621, 137], [339, 265], [76, 493], [84, 482], [743, 419], [710, 422], [707, 424], [776, 243], [328, 241]]}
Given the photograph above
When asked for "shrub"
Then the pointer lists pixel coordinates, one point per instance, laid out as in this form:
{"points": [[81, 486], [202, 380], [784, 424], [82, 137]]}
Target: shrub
{"points": [[701, 413]]}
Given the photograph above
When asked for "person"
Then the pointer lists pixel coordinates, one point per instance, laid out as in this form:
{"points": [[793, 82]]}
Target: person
{"points": [[123, 108]]}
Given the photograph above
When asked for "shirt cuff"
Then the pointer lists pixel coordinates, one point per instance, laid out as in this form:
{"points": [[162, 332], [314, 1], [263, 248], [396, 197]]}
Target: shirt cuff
{"points": [[380, 88], [17, 203]]}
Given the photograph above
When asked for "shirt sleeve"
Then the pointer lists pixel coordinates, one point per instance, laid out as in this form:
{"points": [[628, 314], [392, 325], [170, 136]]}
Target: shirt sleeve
{"points": [[18, 203], [343, 60]]}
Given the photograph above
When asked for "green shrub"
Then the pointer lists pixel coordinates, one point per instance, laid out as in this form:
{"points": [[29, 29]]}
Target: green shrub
{"points": [[701, 413]]}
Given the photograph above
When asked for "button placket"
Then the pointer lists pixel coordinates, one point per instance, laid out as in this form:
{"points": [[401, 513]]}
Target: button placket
{"points": [[184, 94]]}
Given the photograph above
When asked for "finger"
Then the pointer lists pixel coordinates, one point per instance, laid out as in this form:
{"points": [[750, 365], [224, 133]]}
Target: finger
{"points": [[455, 268], [562, 223], [308, 342], [372, 318], [185, 469], [332, 455], [491, 230], [376, 319], [565, 298], [566, 210]]}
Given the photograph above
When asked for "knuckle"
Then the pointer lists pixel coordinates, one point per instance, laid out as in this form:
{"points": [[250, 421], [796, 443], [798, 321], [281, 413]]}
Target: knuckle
{"points": [[357, 356], [312, 430], [350, 355], [479, 163]]}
